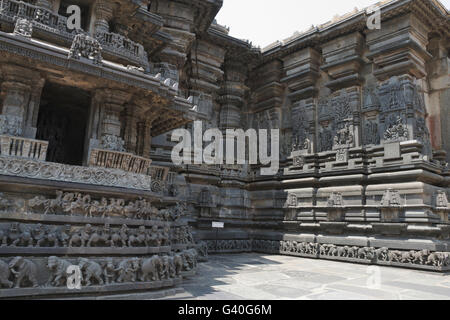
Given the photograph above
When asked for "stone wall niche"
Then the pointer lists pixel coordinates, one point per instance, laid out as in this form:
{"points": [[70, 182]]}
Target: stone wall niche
{"points": [[399, 120]]}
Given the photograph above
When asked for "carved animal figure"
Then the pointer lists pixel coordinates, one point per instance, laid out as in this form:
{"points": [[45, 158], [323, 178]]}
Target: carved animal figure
{"points": [[312, 248], [138, 240], [395, 256], [25, 240], [352, 252], [53, 205], [342, 251], [23, 269], [98, 238], [301, 247], [364, 253], [97, 208], [420, 257], [81, 237], [128, 270], [333, 252], [14, 233], [64, 236], [91, 270], [383, 254], [190, 259], [324, 249], [151, 269], [58, 268], [407, 257], [50, 239], [37, 203], [114, 207], [178, 263], [78, 205], [4, 275], [438, 259], [120, 237], [165, 271], [66, 201], [131, 211]]}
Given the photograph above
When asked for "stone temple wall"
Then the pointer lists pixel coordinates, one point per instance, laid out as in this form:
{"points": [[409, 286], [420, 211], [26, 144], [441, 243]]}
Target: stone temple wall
{"points": [[364, 144], [364, 155]]}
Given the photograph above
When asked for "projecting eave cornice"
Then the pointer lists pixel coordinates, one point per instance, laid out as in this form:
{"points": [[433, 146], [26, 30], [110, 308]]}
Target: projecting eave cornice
{"points": [[430, 11], [206, 12], [235, 47]]}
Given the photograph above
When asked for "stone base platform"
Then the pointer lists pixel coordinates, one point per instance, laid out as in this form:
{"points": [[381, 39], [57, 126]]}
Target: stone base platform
{"points": [[44, 292]]}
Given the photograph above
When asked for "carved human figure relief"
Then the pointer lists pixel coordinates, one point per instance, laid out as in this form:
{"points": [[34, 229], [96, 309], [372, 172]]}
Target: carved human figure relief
{"points": [[391, 198]]}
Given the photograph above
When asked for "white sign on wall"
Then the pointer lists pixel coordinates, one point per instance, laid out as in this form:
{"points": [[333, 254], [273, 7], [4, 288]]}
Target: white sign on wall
{"points": [[219, 225]]}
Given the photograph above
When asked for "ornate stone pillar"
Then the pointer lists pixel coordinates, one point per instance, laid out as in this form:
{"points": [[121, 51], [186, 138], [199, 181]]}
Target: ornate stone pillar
{"points": [[111, 104], [147, 138], [343, 63], [33, 109], [301, 71], [144, 130], [399, 63], [103, 13], [130, 128], [232, 95], [16, 91], [439, 95]]}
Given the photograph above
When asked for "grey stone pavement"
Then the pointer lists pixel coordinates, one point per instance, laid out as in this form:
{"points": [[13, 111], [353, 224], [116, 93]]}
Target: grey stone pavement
{"points": [[259, 276]]}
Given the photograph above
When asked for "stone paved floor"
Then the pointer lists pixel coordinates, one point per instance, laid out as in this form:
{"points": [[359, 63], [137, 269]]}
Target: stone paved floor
{"points": [[256, 276]]}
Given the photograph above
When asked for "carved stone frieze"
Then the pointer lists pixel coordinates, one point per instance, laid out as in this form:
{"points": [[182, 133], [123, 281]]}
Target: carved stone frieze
{"points": [[75, 203], [382, 256], [229, 245], [60, 172]]}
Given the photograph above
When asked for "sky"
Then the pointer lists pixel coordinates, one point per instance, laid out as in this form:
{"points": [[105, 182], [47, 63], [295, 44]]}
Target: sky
{"points": [[266, 21]]}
